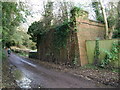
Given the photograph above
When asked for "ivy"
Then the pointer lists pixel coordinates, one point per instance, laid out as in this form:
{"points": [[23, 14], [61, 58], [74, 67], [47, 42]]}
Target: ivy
{"points": [[111, 55], [76, 11], [96, 53], [75, 61], [61, 34]]}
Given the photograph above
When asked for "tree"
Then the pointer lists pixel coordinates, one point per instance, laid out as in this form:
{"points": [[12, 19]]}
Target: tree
{"points": [[62, 13], [105, 19], [97, 9], [48, 15], [107, 15], [11, 18], [112, 18], [64, 10], [0, 13], [36, 30]]}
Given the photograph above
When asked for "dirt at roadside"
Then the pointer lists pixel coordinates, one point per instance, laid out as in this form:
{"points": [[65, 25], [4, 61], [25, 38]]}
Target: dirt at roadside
{"points": [[103, 76], [8, 80]]}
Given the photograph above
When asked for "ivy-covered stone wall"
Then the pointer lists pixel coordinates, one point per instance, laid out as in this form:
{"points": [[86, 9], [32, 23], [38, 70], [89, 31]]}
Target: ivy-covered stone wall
{"points": [[69, 48], [66, 43]]}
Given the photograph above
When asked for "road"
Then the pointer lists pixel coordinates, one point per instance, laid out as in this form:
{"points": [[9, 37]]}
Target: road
{"points": [[39, 76]]}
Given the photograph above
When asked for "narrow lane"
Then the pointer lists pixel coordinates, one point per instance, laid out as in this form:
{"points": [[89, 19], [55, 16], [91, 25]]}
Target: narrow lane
{"points": [[41, 76]]}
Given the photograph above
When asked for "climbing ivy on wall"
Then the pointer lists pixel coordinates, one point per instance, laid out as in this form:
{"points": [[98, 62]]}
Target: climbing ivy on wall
{"points": [[75, 12], [61, 34], [96, 53]]}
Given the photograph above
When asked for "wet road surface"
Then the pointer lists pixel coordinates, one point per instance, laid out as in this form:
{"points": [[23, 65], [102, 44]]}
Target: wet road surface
{"points": [[31, 75]]}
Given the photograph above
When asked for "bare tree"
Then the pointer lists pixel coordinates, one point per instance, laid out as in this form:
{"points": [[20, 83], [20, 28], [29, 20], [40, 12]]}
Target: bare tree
{"points": [[112, 18], [62, 11], [48, 15]]}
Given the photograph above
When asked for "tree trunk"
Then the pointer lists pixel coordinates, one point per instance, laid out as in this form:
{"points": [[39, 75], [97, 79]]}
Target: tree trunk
{"points": [[105, 19], [111, 32]]}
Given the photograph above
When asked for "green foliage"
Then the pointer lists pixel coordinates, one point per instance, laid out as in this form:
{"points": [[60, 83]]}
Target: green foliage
{"points": [[111, 55], [75, 61], [117, 30], [36, 30], [116, 33], [0, 34], [3, 55], [23, 39], [75, 11], [97, 9], [11, 18], [61, 34], [112, 17], [111, 21], [96, 53]]}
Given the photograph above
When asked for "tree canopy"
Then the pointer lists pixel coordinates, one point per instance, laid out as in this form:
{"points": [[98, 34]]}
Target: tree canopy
{"points": [[36, 29], [111, 17], [11, 18]]}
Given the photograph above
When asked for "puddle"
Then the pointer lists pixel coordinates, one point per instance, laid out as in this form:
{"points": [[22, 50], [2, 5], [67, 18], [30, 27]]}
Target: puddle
{"points": [[24, 82], [21, 79]]}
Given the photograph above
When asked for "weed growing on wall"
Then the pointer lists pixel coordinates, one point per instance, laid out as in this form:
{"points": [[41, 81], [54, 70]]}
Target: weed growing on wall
{"points": [[96, 53]]}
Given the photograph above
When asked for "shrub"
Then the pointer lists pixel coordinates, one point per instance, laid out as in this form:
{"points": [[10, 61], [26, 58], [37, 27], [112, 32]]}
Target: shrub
{"points": [[111, 55]]}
